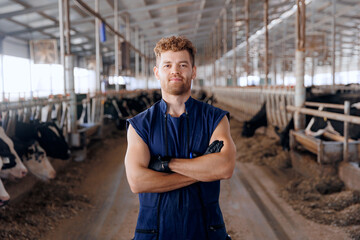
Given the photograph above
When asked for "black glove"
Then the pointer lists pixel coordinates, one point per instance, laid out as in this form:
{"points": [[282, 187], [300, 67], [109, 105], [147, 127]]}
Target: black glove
{"points": [[160, 164], [214, 147]]}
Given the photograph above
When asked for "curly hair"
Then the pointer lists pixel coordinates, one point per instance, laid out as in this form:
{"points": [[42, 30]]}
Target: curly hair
{"points": [[175, 44]]}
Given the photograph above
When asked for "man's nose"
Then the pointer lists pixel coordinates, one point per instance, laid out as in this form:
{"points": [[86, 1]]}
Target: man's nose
{"points": [[175, 69]]}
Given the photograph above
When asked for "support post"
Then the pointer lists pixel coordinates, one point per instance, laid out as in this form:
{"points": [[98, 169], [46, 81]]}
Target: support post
{"points": [[142, 47], [234, 43], [213, 54], [224, 41], [69, 75], [97, 48], [116, 39], [284, 53], [127, 36], [266, 20], [2, 67], [299, 61], [247, 10], [313, 52], [218, 75], [67, 27], [333, 27], [137, 67], [62, 45], [346, 132], [147, 63]]}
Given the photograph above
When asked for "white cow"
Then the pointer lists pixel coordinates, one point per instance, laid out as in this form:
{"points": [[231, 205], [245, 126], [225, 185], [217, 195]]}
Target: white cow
{"points": [[37, 162], [19, 171], [4, 196]]}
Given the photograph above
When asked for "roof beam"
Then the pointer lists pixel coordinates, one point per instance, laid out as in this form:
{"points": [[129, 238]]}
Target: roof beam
{"points": [[28, 10], [163, 19], [141, 9]]}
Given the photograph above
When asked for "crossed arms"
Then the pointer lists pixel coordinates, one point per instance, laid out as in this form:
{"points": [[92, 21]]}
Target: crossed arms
{"points": [[211, 167]]}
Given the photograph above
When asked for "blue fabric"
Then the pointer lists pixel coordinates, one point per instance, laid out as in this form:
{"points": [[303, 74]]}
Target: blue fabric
{"points": [[190, 212]]}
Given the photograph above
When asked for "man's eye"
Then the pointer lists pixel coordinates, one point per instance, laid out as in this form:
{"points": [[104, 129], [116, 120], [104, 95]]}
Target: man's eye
{"points": [[166, 66], [183, 65]]}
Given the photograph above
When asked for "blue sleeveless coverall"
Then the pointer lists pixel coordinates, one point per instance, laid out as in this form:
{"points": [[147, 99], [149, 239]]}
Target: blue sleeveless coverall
{"points": [[188, 213]]}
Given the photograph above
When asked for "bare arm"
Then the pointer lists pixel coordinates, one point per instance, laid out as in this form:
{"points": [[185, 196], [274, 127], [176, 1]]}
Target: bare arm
{"points": [[140, 178], [213, 166]]}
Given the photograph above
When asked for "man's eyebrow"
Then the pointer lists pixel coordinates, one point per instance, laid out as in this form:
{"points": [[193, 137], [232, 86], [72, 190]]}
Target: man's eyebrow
{"points": [[184, 61]]}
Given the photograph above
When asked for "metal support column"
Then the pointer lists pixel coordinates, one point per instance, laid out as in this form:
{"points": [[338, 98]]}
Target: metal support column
{"points": [[224, 41], [2, 67], [69, 60], [142, 47], [218, 75], [333, 24], [67, 27], [346, 132], [313, 52], [247, 10], [266, 22], [116, 42], [127, 36], [273, 80], [147, 66], [284, 60], [97, 48], [69, 74], [300, 61], [137, 67], [213, 57], [62, 45], [234, 43]]}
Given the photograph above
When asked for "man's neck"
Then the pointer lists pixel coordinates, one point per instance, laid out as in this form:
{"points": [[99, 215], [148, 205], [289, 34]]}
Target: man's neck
{"points": [[175, 104]]}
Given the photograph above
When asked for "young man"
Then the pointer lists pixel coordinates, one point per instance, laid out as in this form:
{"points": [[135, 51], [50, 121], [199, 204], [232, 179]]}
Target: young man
{"points": [[169, 161]]}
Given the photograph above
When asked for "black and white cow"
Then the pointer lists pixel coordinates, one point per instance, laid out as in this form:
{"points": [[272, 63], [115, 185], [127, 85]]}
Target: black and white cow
{"points": [[12, 167], [34, 158], [316, 126], [47, 134], [259, 120], [4, 195]]}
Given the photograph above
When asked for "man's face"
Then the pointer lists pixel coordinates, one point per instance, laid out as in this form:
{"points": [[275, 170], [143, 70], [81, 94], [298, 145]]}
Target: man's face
{"points": [[175, 72]]}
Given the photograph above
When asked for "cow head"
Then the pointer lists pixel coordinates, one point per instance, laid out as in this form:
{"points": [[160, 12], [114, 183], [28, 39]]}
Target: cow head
{"points": [[36, 161], [52, 140], [13, 167]]}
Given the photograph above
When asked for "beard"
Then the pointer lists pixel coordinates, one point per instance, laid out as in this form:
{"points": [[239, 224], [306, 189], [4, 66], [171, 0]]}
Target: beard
{"points": [[177, 88]]}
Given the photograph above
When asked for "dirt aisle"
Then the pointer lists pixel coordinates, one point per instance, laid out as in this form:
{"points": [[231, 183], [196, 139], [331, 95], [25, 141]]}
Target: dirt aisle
{"points": [[114, 211]]}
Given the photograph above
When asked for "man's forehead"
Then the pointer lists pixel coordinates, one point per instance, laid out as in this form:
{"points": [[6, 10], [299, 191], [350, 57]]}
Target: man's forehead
{"points": [[178, 56]]}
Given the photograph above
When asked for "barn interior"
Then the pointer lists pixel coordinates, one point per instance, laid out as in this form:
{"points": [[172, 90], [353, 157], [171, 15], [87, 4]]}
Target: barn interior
{"points": [[281, 68]]}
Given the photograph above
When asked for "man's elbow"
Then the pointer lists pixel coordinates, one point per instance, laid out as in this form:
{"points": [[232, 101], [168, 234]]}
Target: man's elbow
{"points": [[134, 189], [135, 185], [229, 168]]}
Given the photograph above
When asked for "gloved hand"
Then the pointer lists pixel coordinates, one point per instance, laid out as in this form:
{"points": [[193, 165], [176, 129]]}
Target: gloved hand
{"points": [[160, 164], [214, 147]]}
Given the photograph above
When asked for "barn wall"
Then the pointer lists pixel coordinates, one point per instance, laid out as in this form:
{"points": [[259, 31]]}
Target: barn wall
{"points": [[16, 48]]}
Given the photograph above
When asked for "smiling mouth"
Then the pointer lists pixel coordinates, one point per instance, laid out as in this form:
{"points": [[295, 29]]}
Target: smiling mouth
{"points": [[175, 79]]}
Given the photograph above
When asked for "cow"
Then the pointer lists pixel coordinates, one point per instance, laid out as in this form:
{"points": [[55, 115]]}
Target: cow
{"points": [[12, 167], [316, 126], [4, 195], [47, 134], [35, 159], [259, 120]]}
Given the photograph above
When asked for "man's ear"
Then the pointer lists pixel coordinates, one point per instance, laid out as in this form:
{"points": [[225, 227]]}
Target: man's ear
{"points": [[156, 72], [193, 76]]}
